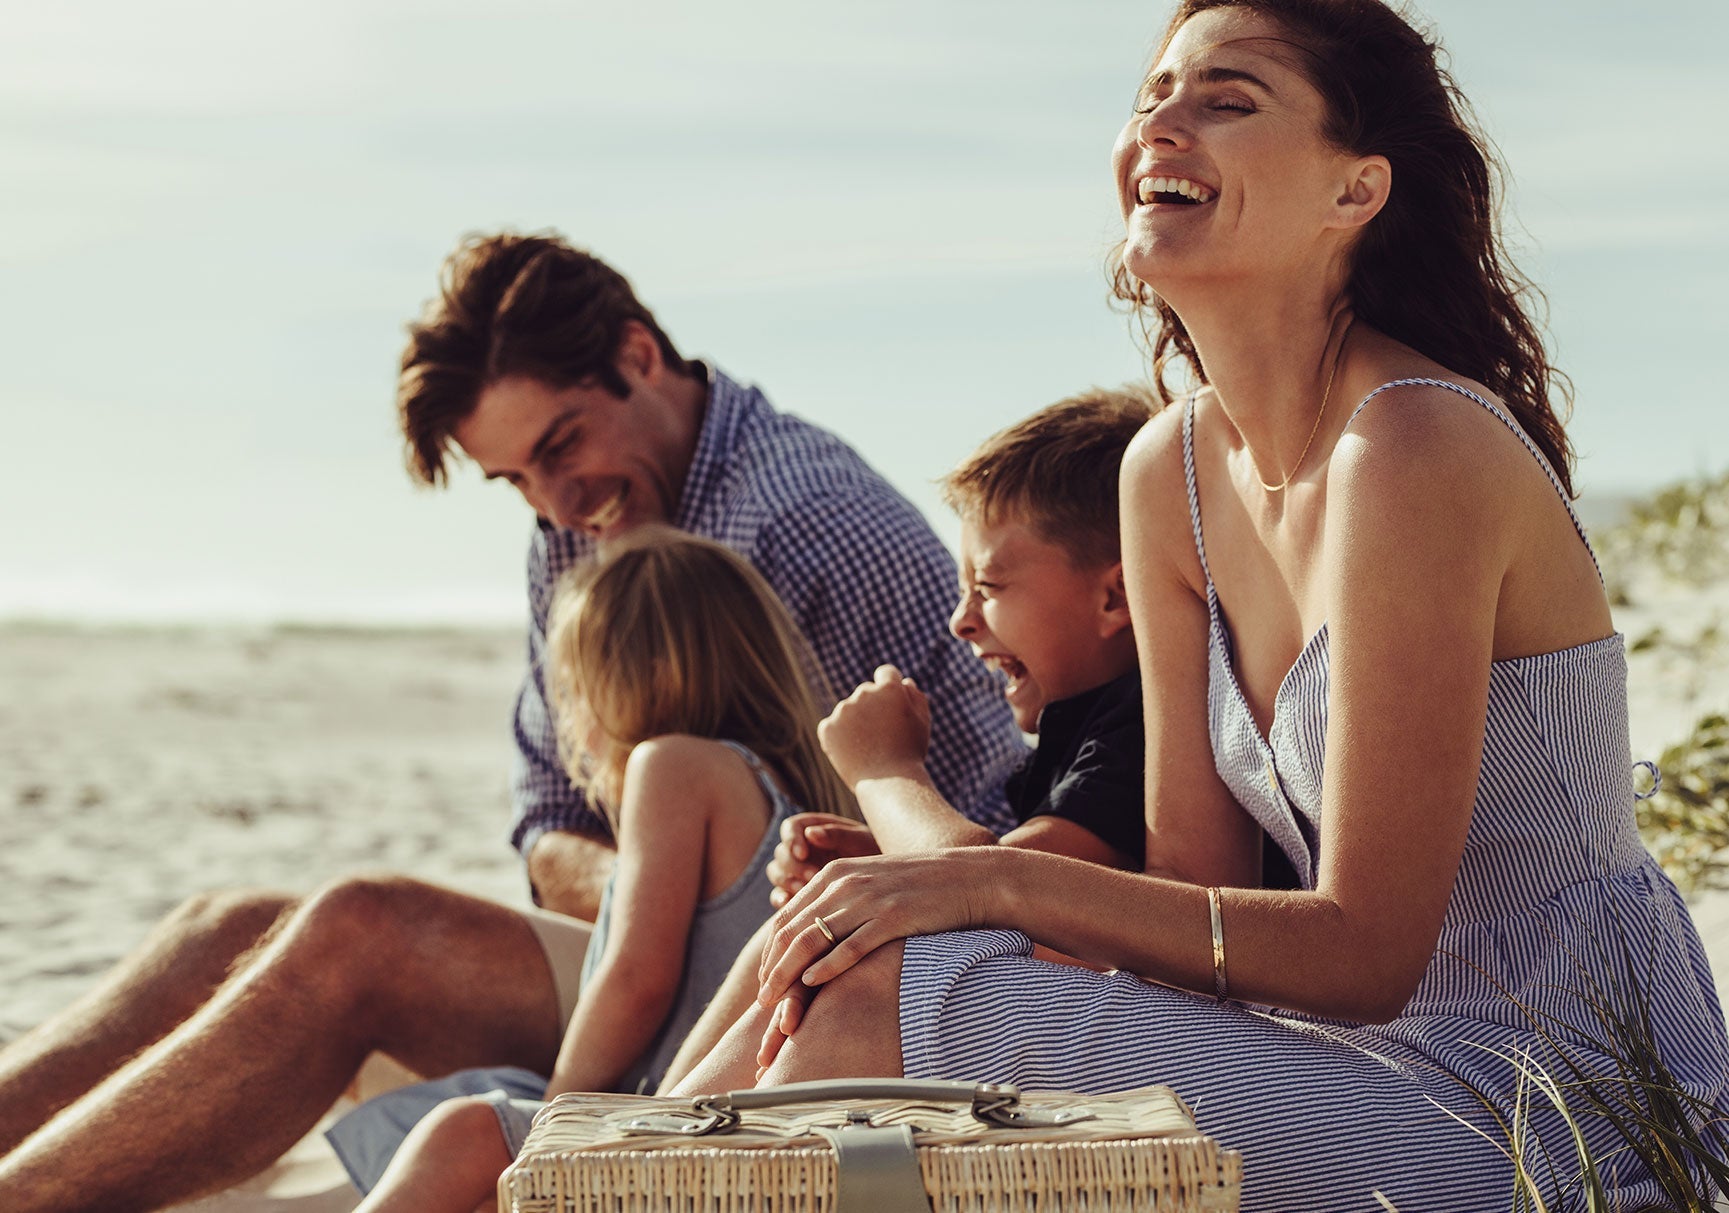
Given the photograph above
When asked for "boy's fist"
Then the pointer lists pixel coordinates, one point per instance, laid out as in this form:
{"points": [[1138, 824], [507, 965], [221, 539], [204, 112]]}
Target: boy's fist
{"points": [[881, 729]]}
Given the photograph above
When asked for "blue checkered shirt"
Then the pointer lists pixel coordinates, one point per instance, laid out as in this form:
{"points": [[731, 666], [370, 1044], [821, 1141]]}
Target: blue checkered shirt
{"points": [[862, 573]]}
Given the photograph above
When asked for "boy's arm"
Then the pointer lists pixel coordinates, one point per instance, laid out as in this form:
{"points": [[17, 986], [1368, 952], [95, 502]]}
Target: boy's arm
{"points": [[876, 738], [669, 790]]}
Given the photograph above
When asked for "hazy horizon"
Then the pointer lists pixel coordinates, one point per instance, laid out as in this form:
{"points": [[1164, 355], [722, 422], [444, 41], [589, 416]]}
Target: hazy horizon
{"points": [[893, 217]]}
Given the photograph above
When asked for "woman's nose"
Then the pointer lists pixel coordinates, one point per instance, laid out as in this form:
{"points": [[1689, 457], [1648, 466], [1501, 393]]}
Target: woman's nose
{"points": [[1165, 125]]}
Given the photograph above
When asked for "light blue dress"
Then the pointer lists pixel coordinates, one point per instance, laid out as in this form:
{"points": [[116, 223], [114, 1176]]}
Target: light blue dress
{"points": [[1553, 878]]}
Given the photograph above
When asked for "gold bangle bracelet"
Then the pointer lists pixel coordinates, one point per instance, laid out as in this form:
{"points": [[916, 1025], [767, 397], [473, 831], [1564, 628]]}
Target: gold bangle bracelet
{"points": [[1219, 988]]}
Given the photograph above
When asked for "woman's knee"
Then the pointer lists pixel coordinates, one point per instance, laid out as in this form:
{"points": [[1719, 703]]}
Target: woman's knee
{"points": [[852, 1028]]}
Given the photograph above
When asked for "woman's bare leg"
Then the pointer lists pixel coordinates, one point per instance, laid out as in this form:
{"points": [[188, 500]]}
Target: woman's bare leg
{"points": [[851, 1029]]}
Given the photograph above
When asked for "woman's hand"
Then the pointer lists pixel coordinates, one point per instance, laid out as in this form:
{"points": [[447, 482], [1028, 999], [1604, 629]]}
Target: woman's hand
{"points": [[882, 728], [867, 902], [808, 842]]}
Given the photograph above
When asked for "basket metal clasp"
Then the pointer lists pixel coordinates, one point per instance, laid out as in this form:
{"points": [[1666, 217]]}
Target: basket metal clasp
{"points": [[997, 1104]]}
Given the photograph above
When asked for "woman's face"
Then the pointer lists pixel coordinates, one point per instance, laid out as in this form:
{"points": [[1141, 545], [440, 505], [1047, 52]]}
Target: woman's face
{"points": [[1222, 170]]}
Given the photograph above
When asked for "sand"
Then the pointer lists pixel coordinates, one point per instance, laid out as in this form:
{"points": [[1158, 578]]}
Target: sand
{"points": [[139, 766]]}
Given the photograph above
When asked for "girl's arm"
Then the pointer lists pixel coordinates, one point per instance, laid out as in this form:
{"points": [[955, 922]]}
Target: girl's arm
{"points": [[1418, 544], [676, 790]]}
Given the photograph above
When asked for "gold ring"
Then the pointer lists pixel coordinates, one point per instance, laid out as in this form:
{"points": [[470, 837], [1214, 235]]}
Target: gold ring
{"points": [[827, 932]]}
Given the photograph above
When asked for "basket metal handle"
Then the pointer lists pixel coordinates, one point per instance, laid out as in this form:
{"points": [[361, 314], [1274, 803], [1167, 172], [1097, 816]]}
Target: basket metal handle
{"points": [[923, 1090]]}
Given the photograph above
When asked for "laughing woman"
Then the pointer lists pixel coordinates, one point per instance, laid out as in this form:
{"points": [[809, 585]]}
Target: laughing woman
{"points": [[1369, 626]]}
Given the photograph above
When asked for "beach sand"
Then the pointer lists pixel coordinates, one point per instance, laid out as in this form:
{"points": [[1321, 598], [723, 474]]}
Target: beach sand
{"points": [[140, 766]]}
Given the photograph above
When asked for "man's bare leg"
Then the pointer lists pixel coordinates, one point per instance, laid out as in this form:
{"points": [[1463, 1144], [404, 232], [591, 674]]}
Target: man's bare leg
{"points": [[437, 979], [170, 975]]}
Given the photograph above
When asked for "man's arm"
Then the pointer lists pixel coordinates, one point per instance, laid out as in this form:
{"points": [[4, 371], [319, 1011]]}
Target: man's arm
{"points": [[566, 844], [568, 872]]}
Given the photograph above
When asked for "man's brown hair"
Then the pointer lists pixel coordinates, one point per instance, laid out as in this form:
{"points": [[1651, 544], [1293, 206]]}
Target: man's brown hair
{"points": [[1056, 472], [511, 304]]}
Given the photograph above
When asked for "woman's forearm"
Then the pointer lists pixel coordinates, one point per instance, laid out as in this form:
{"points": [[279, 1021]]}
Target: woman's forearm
{"points": [[1290, 948]]}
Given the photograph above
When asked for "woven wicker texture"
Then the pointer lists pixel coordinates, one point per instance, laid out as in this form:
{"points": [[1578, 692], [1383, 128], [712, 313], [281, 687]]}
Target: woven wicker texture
{"points": [[1140, 1150]]}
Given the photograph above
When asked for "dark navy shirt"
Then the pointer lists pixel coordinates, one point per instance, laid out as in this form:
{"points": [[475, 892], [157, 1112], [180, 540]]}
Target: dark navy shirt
{"points": [[1090, 766]]}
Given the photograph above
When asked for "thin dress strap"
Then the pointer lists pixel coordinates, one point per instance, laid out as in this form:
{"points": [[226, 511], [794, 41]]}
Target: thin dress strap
{"points": [[756, 765], [1518, 432], [1194, 494]]}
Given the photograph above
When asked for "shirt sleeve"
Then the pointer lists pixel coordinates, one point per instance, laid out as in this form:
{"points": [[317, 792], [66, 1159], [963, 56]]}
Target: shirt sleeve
{"points": [[868, 582], [541, 792]]}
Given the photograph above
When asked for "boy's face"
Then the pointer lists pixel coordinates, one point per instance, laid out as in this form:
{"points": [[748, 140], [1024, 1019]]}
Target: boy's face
{"points": [[1053, 628]]}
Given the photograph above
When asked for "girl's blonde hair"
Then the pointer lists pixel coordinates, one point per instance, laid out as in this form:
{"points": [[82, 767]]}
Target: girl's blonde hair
{"points": [[668, 633]]}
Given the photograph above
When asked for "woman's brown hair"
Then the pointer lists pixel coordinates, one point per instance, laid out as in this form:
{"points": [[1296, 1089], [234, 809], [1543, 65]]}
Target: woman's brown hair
{"points": [[1430, 270], [667, 633]]}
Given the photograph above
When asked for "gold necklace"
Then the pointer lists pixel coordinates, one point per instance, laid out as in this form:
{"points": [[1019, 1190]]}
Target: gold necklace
{"points": [[1326, 395]]}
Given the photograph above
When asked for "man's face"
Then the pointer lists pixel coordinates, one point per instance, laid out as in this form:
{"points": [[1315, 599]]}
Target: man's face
{"points": [[582, 457]]}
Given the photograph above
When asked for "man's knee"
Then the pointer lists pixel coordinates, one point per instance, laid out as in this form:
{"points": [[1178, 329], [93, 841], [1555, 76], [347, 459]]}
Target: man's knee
{"points": [[354, 930], [227, 920]]}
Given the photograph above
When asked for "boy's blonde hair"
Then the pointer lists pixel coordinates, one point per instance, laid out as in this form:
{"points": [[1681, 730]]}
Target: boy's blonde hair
{"points": [[1056, 472], [668, 633]]}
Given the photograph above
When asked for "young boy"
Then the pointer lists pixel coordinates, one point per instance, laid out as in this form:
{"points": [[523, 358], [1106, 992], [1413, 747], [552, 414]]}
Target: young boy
{"points": [[1042, 601]]}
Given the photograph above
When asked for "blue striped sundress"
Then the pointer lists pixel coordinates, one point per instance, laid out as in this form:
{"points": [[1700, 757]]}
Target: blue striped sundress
{"points": [[1326, 1112]]}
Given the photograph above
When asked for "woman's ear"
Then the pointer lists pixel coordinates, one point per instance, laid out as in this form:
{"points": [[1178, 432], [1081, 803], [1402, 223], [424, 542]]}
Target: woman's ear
{"points": [[1367, 186], [1114, 609]]}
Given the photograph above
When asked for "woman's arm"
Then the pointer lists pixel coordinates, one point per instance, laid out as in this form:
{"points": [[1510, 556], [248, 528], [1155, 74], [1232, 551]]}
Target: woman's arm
{"points": [[675, 789], [1416, 547]]}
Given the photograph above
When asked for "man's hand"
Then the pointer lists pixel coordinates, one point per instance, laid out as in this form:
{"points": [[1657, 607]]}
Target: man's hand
{"points": [[569, 872], [807, 842], [881, 729]]}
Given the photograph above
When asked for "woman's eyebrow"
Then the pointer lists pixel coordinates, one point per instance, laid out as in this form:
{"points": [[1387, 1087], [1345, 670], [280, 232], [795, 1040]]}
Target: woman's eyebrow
{"points": [[1215, 74]]}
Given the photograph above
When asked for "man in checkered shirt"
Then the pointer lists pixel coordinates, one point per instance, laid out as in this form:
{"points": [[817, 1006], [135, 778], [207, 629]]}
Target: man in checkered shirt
{"points": [[540, 364]]}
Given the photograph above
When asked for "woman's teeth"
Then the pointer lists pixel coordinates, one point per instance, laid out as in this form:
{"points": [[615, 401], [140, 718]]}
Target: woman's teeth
{"points": [[1173, 189]]}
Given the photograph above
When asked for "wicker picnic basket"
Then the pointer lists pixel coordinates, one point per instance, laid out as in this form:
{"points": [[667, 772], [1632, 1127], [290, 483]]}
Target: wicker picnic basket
{"points": [[871, 1146]]}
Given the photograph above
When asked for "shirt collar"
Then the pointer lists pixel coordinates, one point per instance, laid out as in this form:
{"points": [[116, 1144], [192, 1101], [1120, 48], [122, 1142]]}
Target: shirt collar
{"points": [[723, 416], [1062, 718]]}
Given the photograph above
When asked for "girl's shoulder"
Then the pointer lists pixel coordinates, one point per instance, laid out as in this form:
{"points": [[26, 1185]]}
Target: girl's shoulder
{"points": [[689, 773], [672, 754]]}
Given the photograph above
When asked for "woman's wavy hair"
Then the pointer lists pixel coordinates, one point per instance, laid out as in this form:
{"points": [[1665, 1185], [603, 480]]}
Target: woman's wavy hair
{"points": [[1430, 269], [667, 633]]}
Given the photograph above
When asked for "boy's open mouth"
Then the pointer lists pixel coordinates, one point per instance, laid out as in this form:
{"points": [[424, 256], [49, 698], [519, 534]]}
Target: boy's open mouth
{"points": [[1012, 669]]}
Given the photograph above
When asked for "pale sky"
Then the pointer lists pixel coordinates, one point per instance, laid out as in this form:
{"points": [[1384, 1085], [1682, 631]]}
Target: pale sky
{"points": [[216, 218]]}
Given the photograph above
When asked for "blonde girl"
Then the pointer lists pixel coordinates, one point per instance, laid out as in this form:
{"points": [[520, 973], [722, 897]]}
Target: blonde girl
{"points": [[685, 707]]}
